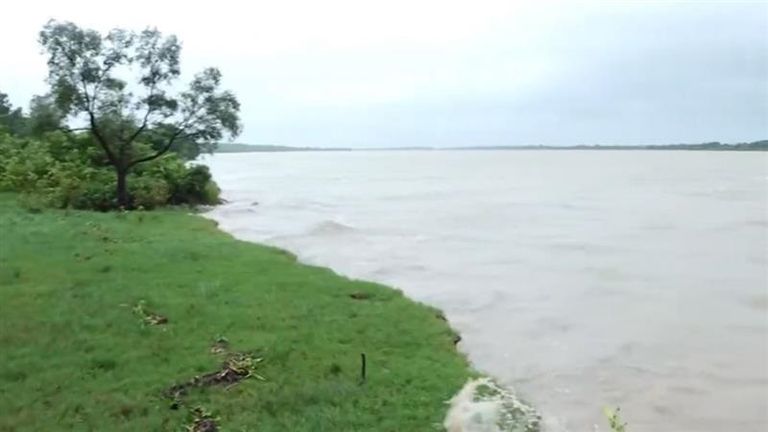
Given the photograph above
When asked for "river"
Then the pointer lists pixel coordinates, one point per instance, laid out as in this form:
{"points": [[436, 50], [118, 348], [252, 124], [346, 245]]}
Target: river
{"points": [[582, 279]]}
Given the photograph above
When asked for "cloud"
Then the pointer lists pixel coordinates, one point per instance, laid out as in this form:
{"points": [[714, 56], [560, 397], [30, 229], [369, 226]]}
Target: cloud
{"points": [[442, 73]]}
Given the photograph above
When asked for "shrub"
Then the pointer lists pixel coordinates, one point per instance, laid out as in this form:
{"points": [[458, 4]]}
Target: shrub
{"points": [[148, 192], [65, 171], [24, 166], [95, 192], [187, 184], [196, 187], [211, 193]]}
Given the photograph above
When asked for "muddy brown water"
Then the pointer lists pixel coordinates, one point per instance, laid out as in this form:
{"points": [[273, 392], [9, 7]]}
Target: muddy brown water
{"points": [[582, 279]]}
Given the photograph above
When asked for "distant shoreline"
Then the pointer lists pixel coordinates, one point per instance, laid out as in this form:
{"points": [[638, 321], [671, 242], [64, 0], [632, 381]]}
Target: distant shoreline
{"points": [[713, 146]]}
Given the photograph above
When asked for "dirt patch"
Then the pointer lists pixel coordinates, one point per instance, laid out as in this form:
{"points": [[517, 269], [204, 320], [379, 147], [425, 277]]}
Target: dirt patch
{"points": [[456, 337], [220, 346], [204, 425], [237, 367], [360, 295], [202, 421]]}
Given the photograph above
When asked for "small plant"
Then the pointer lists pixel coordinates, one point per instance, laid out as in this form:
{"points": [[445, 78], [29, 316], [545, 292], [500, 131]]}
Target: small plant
{"points": [[220, 345], [202, 420], [614, 420], [243, 365], [236, 367], [146, 317]]}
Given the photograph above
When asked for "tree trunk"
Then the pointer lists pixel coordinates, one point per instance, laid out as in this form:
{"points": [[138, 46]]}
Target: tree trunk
{"points": [[122, 189]]}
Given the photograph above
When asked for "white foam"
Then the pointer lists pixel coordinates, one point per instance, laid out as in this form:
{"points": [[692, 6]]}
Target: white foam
{"points": [[484, 406]]}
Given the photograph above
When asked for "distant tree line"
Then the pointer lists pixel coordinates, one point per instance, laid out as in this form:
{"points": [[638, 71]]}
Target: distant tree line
{"points": [[755, 145], [746, 146], [715, 146]]}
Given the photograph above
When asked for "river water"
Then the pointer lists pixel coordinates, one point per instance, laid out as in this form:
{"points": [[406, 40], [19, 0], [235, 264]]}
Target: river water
{"points": [[582, 279]]}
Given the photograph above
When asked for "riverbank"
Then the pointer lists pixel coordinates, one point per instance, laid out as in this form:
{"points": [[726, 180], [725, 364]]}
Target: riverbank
{"points": [[106, 316]]}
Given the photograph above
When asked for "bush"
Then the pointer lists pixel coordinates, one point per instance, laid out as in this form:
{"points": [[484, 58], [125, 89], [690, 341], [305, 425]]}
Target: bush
{"points": [[196, 187], [23, 165], [67, 172], [95, 192], [211, 194], [187, 184], [148, 192]]}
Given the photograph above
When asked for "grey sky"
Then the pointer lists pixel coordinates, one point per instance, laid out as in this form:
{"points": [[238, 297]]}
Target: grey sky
{"points": [[445, 73]]}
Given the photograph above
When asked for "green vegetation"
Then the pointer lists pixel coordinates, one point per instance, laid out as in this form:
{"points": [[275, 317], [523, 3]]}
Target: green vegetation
{"points": [[709, 146], [112, 320], [66, 171], [137, 123], [712, 146], [614, 420], [137, 130], [157, 321]]}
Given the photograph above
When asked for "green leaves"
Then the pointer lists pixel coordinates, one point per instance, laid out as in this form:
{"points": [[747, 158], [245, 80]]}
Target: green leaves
{"points": [[158, 57], [211, 114], [68, 171], [88, 75], [44, 116], [72, 62], [11, 119], [614, 420]]}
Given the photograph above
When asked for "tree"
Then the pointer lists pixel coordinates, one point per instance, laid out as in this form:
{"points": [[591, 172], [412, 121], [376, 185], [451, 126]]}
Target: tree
{"points": [[11, 119], [44, 116], [136, 121]]}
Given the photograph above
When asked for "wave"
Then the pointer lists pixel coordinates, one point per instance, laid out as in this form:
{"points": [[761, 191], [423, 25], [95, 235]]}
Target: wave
{"points": [[328, 228]]}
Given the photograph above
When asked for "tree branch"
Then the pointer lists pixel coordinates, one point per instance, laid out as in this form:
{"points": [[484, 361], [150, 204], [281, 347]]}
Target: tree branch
{"points": [[95, 128], [182, 125], [70, 130], [102, 142], [150, 94], [102, 74], [160, 152], [146, 117]]}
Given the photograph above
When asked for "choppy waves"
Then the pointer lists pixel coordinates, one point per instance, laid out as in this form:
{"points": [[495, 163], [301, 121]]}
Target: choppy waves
{"points": [[329, 228]]}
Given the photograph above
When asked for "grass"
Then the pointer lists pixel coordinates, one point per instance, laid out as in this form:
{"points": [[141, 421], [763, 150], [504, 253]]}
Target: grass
{"points": [[102, 313]]}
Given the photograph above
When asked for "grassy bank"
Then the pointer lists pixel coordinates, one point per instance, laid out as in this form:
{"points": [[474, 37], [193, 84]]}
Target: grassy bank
{"points": [[84, 344]]}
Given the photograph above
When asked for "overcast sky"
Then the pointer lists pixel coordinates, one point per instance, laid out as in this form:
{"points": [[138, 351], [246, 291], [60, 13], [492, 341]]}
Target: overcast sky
{"points": [[450, 73]]}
